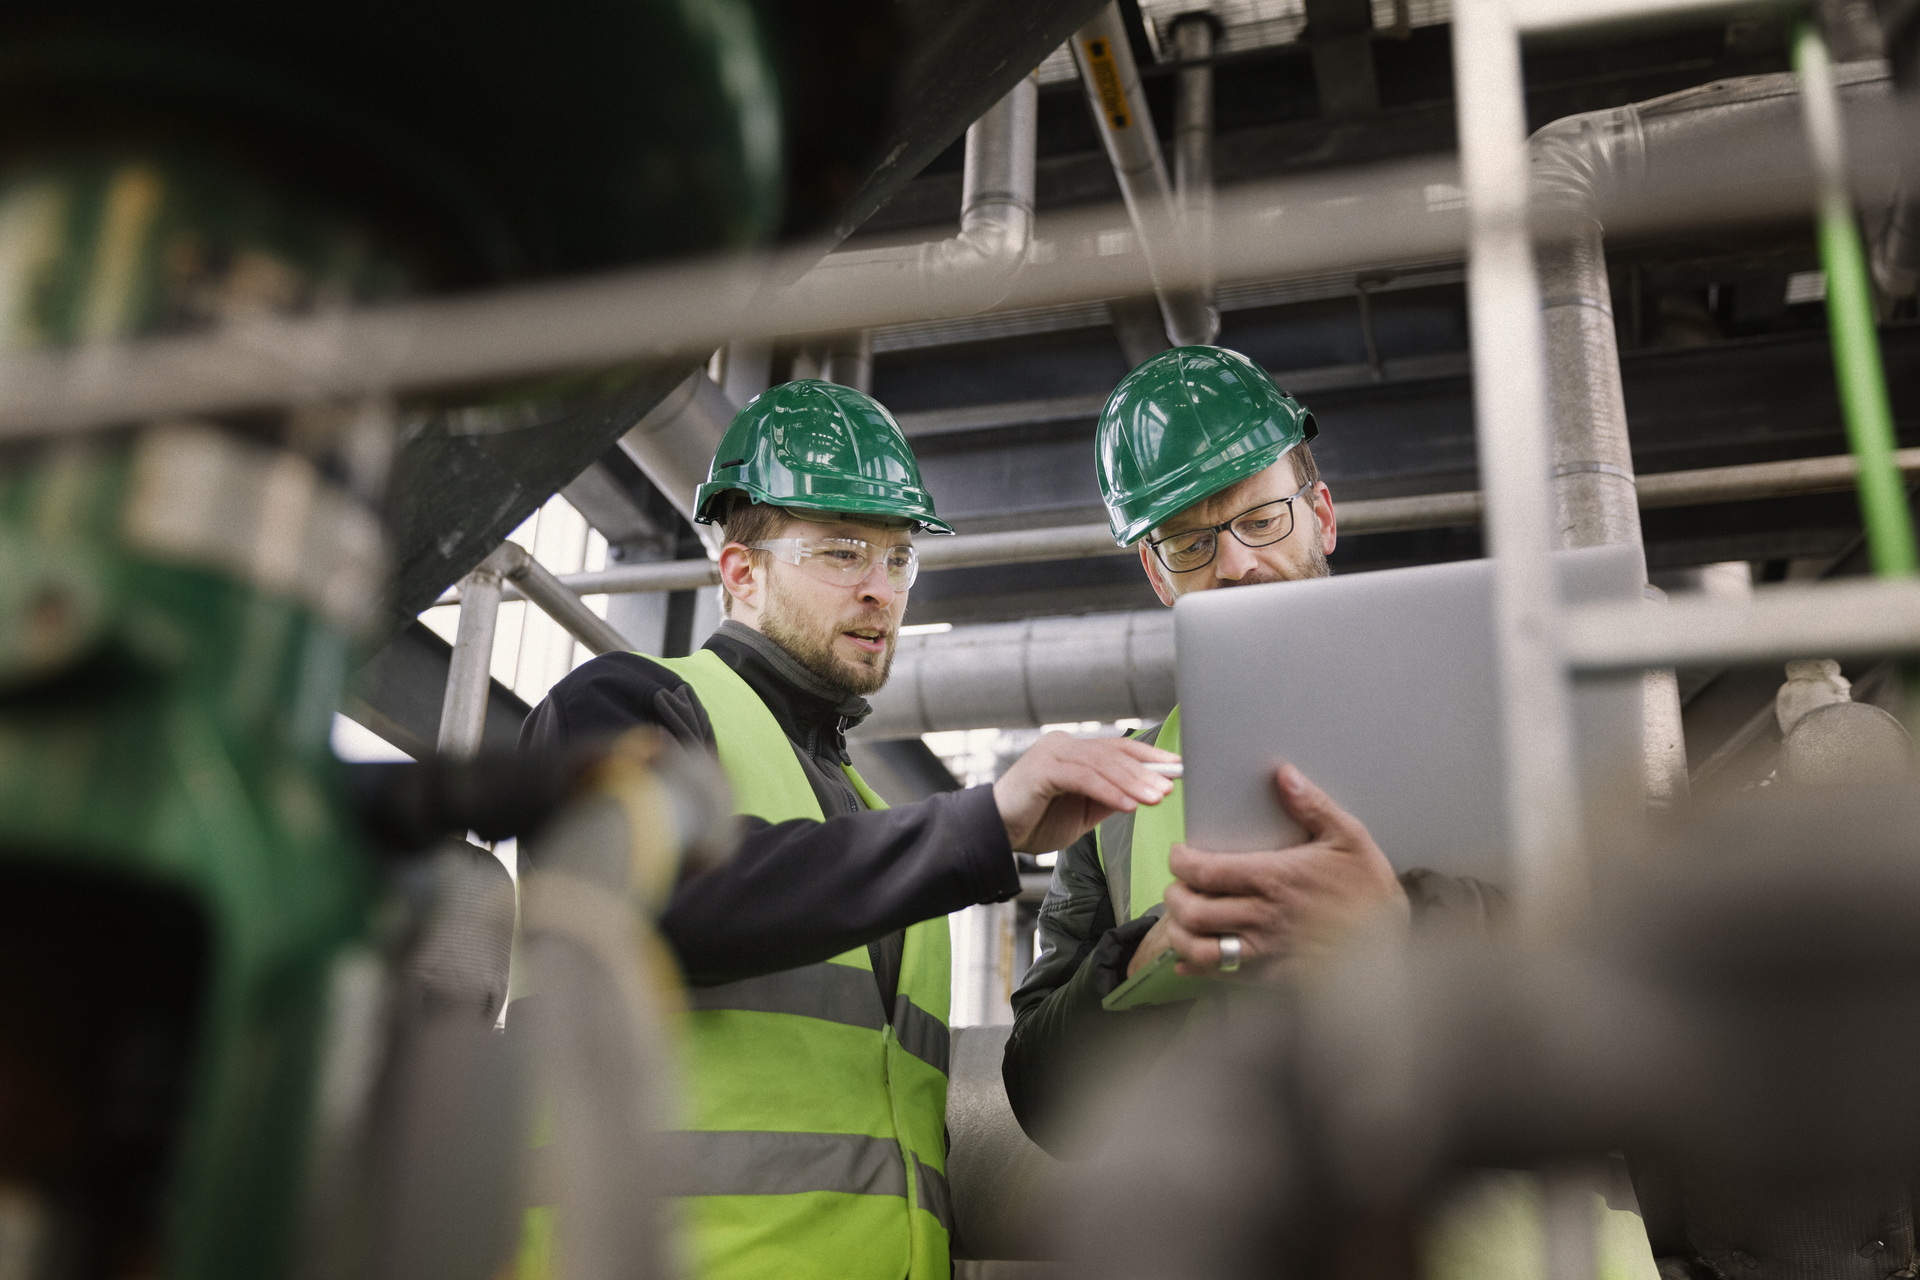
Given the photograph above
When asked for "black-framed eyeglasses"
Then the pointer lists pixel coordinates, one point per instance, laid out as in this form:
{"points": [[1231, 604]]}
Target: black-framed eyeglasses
{"points": [[1260, 526]]}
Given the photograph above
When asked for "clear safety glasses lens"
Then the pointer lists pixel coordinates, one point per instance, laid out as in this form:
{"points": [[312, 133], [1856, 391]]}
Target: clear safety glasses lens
{"points": [[845, 562]]}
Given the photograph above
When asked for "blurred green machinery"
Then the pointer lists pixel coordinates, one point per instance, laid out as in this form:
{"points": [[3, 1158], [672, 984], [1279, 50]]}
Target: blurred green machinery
{"points": [[194, 935]]}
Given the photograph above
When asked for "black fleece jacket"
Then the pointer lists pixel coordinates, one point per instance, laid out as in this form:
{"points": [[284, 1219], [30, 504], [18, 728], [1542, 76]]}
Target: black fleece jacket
{"points": [[797, 892]]}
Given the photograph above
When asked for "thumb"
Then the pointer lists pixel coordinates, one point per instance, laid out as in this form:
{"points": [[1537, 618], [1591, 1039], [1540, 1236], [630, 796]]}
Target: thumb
{"points": [[1325, 821]]}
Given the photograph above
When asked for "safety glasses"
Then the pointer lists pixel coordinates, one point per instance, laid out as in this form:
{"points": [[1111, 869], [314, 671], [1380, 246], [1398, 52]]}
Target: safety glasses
{"points": [[844, 562], [1260, 526]]}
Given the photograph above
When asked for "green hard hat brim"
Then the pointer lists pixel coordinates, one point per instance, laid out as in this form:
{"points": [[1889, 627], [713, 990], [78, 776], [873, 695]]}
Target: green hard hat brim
{"points": [[1200, 480], [841, 494]]}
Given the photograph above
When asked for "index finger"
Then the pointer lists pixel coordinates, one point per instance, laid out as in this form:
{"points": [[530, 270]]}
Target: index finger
{"points": [[1143, 751]]}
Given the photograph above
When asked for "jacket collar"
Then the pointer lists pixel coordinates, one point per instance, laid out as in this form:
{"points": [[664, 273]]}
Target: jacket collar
{"points": [[801, 701]]}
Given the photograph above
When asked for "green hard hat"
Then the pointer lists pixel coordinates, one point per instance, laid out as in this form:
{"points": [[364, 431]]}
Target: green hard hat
{"points": [[1185, 425], [818, 446]]}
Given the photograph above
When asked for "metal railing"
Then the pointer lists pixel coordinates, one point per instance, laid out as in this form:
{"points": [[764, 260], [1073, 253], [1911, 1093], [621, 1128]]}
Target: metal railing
{"points": [[463, 712]]}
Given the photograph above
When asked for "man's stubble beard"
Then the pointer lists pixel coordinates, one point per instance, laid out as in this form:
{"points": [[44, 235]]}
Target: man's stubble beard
{"points": [[810, 642], [1316, 568]]}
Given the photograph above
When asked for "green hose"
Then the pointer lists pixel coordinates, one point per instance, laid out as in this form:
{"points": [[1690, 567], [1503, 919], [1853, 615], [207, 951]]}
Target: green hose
{"points": [[1856, 357]]}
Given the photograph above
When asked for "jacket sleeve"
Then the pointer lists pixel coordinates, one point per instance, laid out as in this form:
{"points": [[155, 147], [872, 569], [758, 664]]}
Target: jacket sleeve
{"points": [[1060, 1030], [1062, 1037], [799, 892]]}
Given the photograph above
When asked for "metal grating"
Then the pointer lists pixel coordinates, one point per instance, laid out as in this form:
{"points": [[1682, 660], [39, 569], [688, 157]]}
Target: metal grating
{"points": [[1251, 24]]}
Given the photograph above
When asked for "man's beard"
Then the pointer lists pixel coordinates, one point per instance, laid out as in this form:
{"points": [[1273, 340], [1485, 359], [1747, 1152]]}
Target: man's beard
{"points": [[810, 640], [1316, 568]]}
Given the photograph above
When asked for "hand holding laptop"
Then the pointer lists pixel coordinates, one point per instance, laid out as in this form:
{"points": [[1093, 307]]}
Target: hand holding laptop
{"points": [[1285, 905]]}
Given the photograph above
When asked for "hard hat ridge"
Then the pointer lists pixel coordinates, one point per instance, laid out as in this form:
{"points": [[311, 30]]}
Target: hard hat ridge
{"points": [[1185, 425], [818, 446]]}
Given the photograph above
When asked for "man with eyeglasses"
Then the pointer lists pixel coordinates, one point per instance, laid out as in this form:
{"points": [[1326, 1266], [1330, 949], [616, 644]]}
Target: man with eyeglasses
{"points": [[818, 954], [1205, 465]]}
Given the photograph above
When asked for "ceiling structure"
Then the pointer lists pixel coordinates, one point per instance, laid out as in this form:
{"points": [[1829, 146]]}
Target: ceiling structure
{"points": [[1722, 335]]}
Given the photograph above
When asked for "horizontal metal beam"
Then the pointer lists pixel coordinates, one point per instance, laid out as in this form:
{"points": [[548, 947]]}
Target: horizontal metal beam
{"points": [[1299, 382], [1824, 620], [1369, 515]]}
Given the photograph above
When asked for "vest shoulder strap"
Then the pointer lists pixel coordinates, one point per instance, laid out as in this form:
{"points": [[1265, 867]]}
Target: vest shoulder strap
{"points": [[759, 762], [1156, 829]]}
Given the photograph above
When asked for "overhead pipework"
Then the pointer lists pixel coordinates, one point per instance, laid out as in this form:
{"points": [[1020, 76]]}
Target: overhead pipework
{"points": [[675, 441], [1581, 166], [965, 273], [1112, 82]]}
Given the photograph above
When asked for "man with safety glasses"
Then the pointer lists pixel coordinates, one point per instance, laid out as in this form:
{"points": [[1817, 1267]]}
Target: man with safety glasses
{"points": [[818, 954], [1204, 464]]}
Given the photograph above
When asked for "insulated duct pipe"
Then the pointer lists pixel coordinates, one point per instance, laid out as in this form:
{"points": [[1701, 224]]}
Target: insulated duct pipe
{"points": [[977, 266], [1014, 674], [674, 444], [1112, 82], [1581, 165]]}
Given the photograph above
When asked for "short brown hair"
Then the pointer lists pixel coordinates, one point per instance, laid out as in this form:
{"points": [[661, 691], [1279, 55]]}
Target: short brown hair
{"points": [[1305, 469], [748, 522]]}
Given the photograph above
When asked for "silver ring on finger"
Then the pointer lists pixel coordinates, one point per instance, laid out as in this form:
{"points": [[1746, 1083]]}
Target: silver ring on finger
{"points": [[1229, 953]]}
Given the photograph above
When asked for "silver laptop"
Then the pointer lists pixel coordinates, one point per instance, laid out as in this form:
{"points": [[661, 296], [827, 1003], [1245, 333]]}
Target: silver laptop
{"points": [[1381, 688]]}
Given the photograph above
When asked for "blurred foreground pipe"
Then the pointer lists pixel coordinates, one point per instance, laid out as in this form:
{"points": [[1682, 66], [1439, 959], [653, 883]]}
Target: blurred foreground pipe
{"points": [[997, 1175]]}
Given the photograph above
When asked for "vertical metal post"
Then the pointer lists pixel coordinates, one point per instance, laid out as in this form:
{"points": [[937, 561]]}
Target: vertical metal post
{"points": [[1510, 412], [1510, 400], [463, 712], [1193, 35]]}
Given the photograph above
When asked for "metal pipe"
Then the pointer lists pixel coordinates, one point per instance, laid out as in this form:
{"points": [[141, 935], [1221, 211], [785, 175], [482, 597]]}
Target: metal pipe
{"points": [[968, 272], [674, 444], [558, 601], [1747, 482], [1844, 619], [1896, 252], [849, 360], [1582, 167], [463, 711], [1044, 671], [1193, 36], [1112, 82]]}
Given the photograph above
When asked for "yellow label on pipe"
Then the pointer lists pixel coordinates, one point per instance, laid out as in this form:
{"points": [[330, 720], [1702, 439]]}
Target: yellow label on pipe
{"points": [[1106, 82]]}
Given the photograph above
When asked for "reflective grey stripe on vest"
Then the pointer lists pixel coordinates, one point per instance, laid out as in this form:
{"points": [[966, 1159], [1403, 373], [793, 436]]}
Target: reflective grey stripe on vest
{"points": [[921, 1034], [931, 1186], [829, 992], [766, 1163]]}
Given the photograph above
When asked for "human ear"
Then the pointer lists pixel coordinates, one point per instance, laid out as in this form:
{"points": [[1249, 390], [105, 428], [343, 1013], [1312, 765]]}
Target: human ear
{"points": [[1152, 568], [737, 575], [1323, 512]]}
